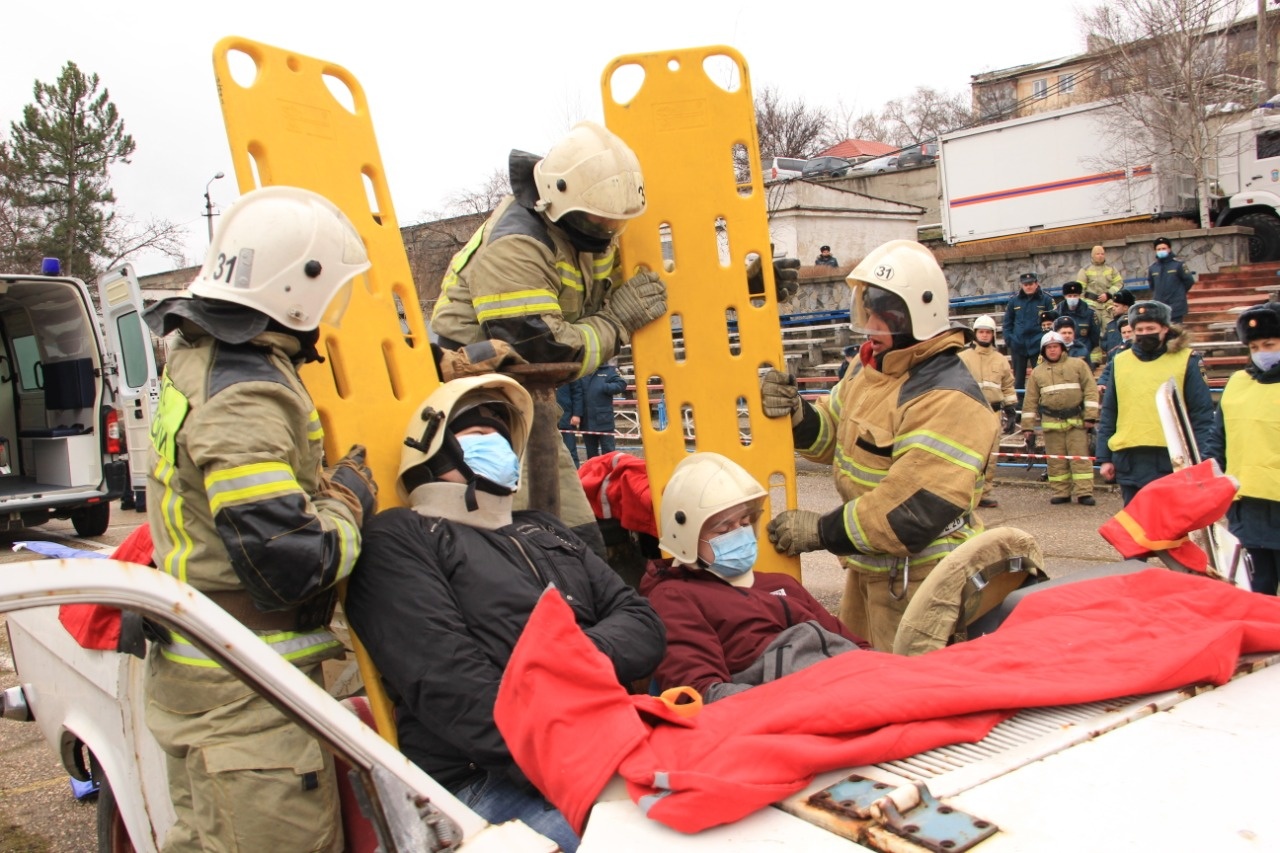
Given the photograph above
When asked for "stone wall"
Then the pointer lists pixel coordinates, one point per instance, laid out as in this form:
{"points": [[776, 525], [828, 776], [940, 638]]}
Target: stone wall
{"points": [[1203, 250]]}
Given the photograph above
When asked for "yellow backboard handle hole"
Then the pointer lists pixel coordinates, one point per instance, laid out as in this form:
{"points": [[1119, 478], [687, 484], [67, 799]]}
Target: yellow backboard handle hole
{"points": [[243, 67], [723, 71], [339, 89], [625, 82]]}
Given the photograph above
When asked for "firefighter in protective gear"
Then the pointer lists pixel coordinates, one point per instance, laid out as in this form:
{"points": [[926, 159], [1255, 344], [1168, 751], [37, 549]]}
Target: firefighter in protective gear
{"points": [[995, 378], [907, 432], [446, 584], [1131, 447], [1062, 401], [243, 510], [544, 275], [1246, 442]]}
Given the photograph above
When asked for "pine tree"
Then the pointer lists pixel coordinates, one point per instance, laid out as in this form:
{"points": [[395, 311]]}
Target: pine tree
{"points": [[55, 172]]}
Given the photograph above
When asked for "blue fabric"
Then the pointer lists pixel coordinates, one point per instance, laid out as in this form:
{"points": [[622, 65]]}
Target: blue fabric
{"points": [[1170, 280], [497, 799], [58, 552], [598, 391]]}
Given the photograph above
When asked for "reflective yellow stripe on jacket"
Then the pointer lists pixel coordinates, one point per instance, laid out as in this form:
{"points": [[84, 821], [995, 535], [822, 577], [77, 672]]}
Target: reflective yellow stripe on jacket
{"points": [[290, 645]]}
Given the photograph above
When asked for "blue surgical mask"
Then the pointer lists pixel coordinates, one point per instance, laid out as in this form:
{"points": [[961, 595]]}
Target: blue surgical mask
{"points": [[733, 553], [1264, 361], [489, 455], [1162, 253]]}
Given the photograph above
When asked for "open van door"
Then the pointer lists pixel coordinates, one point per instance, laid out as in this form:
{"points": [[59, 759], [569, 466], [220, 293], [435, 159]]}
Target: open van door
{"points": [[132, 366]]}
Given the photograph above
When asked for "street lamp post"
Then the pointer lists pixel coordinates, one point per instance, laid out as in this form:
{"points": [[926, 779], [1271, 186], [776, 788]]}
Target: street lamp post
{"points": [[208, 204]]}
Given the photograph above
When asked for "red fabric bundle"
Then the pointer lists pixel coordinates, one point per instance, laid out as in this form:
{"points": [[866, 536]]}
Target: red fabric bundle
{"points": [[1164, 511], [570, 726], [617, 485], [96, 626]]}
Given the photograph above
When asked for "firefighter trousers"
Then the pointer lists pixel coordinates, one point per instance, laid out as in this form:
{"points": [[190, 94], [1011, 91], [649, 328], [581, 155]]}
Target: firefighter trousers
{"points": [[1068, 478], [868, 607], [242, 777]]}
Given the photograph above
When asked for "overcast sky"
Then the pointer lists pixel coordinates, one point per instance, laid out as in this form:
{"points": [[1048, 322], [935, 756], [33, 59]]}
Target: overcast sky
{"points": [[452, 87]]}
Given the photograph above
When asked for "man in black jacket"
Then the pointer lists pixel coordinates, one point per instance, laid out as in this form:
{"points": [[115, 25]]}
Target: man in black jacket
{"points": [[448, 582]]}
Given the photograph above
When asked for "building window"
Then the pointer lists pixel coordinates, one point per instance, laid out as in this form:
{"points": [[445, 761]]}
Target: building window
{"points": [[1040, 88], [1066, 83]]}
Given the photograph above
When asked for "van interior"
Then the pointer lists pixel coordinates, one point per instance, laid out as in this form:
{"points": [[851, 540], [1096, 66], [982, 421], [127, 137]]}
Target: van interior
{"points": [[50, 435]]}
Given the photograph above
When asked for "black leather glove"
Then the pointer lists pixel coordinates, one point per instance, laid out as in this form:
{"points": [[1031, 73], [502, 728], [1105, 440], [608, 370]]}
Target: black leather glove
{"points": [[133, 634], [352, 474], [1010, 419]]}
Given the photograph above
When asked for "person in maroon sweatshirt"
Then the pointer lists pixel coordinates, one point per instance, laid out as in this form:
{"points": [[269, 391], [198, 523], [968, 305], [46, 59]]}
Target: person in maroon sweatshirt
{"points": [[728, 628]]}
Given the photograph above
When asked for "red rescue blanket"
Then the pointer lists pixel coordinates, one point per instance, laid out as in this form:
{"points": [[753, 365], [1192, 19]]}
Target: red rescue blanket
{"points": [[97, 626], [570, 726], [617, 485]]}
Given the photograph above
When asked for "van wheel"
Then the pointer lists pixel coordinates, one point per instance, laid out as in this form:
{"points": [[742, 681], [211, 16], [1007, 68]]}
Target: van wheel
{"points": [[93, 520], [1264, 245]]}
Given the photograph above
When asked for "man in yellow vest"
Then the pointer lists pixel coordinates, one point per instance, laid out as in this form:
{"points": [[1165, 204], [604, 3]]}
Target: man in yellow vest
{"points": [[1246, 443], [1131, 447]]}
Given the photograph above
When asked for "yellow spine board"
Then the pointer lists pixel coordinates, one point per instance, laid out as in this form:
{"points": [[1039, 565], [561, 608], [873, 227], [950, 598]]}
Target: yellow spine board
{"points": [[286, 127], [684, 124]]}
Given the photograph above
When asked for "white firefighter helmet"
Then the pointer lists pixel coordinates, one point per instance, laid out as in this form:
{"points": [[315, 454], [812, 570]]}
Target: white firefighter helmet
{"points": [[901, 283], [593, 173], [1052, 338], [984, 322], [426, 431], [287, 252], [702, 485]]}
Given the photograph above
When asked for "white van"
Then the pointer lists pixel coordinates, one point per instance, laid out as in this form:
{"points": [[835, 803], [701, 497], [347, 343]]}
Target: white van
{"points": [[64, 434], [780, 168]]}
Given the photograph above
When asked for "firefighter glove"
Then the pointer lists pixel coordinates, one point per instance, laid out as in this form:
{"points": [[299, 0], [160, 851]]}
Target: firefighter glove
{"points": [[640, 300], [474, 359], [1010, 416], [786, 277], [781, 397], [351, 482], [795, 532]]}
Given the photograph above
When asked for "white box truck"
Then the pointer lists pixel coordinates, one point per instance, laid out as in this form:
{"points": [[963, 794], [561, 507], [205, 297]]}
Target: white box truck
{"points": [[1064, 168]]}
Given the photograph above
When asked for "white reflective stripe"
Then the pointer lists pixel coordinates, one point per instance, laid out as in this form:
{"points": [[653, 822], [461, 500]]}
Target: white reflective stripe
{"points": [[987, 383], [290, 645], [1061, 386], [605, 508]]}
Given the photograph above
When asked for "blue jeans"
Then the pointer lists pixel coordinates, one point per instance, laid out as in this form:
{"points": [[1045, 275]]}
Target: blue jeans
{"points": [[497, 799]]}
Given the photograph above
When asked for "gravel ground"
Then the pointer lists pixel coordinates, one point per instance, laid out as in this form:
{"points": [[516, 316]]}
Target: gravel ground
{"points": [[39, 815]]}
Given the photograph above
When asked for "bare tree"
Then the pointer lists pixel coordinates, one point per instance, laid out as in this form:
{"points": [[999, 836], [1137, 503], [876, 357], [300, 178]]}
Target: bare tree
{"points": [[924, 114], [1168, 71], [789, 128], [126, 238], [480, 199]]}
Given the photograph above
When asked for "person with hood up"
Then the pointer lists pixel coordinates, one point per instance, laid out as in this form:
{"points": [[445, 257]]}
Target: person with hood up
{"points": [[729, 628], [446, 584], [1246, 442], [1131, 447], [909, 432], [1170, 280], [991, 370], [1023, 317], [242, 509], [1062, 401]]}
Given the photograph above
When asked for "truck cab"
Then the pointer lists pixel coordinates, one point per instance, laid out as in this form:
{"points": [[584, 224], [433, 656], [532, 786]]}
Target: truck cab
{"points": [[63, 452]]}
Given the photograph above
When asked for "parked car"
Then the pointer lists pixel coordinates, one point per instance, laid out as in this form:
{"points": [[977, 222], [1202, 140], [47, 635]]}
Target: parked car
{"points": [[876, 166], [920, 154], [826, 167], [781, 168]]}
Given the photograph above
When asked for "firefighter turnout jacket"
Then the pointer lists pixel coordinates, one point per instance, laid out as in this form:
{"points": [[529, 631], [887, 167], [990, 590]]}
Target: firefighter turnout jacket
{"points": [[991, 369], [521, 279], [235, 473], [1060, 395], [908, 442]]}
